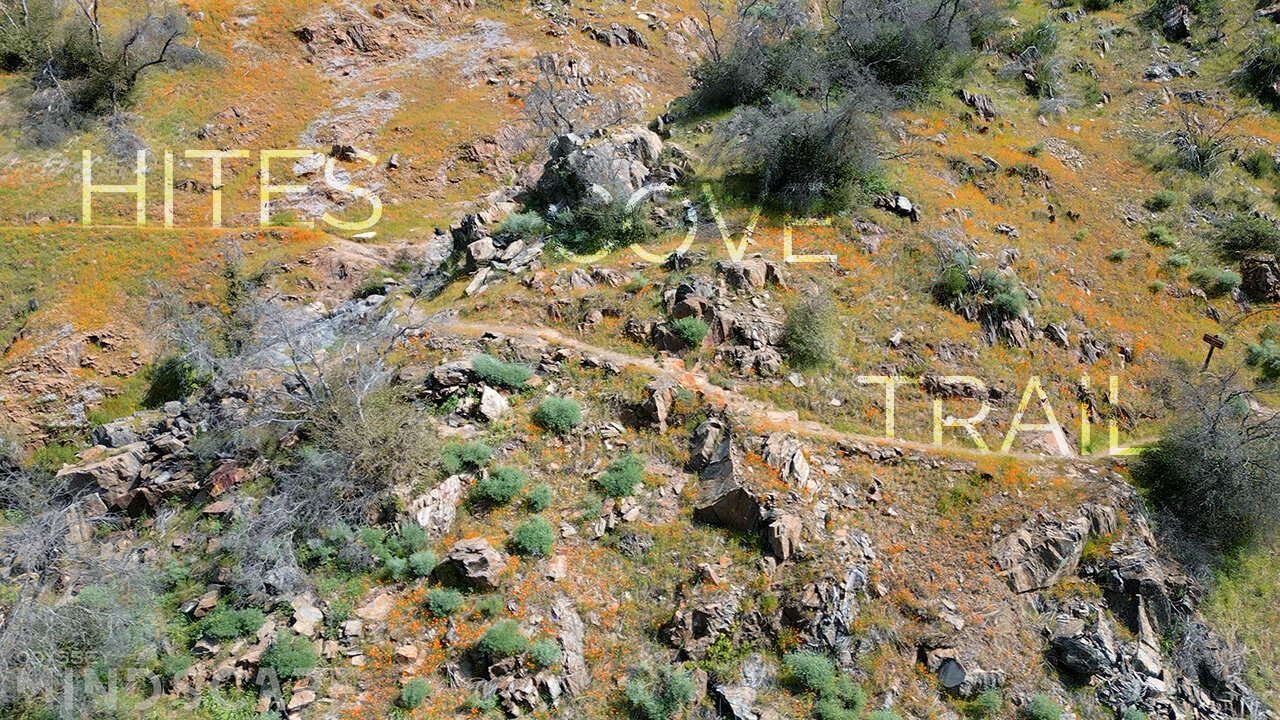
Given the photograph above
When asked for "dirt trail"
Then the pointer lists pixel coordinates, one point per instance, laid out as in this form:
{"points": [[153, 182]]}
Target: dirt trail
{"points": [[757, 413]]}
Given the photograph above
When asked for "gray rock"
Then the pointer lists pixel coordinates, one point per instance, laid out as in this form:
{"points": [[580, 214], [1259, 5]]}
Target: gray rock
{"points": [[1077, 656], [596, 173], [475, 563], [481, 252], [492, 404], [783, 536], [113, 476], [659, 396], [705, 443], [723, 496], [436, 510], [1260, 277], [737, 702]]}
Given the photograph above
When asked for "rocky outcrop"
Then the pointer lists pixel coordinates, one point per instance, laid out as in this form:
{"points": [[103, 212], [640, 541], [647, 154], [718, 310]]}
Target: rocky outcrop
{"points": [[435, 510], [1041, 553], [599, 172], [724, 496]]}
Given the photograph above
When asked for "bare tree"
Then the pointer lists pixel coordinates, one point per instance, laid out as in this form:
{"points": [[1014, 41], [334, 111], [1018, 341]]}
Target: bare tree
{"points": [[1218, 469], [551, 104]]}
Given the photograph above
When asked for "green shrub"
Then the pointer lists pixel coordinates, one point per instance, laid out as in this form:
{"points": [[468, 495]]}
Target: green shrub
{"points": [[1012, 303], [1160, 200], [811, 332], [1261, 70], [1241, 234], [1265, 358], [501, 374], [171, 379], [1161, 236], [884, 715], [829, 708], [413, 694], [468, 456], [540, 498], [1215, 281], [503, 640], [1133, 714], [544, 653], [559, 415], [1042, 707], [395, 568], [1043, 36], [522, 226], [986, 705], [172, 666], [500, 486], [443, 603], [1261, 164], [410, 539], [1178, 261], [225, 624], [490, 605], [290, 656], [534, 537], [1097, 5], [482, 704], [587, 229], [1118, 255], [622, 476], [659, 699], [690, 330], [809, 670], [422, 563]]}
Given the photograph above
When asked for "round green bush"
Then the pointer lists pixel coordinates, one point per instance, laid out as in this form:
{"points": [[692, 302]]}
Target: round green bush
{"points": [[443, 603], [535, 537], [1161, 236], [621, 477], [1160, 200], [691, 331], [501, 374], [469, 456], [172, 666], [500, 486], [413, 694], [290, 656], [540, 498], [544, 653], [422, 563], [986, 705], [503, 639], [884, 715], [226, 624], [1042, 707], [558, 415], [809, 670], [829, 708]]}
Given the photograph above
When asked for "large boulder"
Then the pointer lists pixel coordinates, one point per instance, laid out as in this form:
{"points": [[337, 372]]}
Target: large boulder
{"points": [[598, 173], [724, 498], [1260, 277], [112, 476], [475, 563]]}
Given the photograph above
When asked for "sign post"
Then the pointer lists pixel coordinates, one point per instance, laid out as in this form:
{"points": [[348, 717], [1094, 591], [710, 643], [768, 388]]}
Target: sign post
{"points": [[1215, 343]]}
